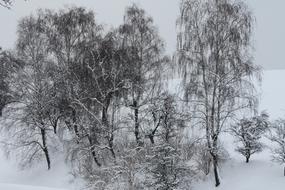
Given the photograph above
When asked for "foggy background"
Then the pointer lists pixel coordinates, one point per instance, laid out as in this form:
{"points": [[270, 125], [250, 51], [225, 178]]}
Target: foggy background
{"points": [[269, 28]]}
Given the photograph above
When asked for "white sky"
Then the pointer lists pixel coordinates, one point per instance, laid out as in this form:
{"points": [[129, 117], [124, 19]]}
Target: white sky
{"points": [[269, 33]]}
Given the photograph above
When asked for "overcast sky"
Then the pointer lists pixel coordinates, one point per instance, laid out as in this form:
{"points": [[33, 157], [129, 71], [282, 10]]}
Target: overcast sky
{"points": [[269, 31]]}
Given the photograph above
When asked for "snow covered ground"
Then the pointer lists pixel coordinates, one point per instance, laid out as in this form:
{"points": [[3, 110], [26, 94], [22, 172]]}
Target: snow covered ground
{"points": [[36, 178], [259, 174], [13, 178]]}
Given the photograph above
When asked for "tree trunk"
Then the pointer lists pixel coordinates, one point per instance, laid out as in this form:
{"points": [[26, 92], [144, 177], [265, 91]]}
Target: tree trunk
{"points": [[284, 170], [208, 166], [74, 121], [54, 129], [151, 138], [105, 122], [92, 149], [247, 159], [47, 158], [94, 156], [45, 149], [136, 112], [54, 125], [111, 145], [216, 173]]}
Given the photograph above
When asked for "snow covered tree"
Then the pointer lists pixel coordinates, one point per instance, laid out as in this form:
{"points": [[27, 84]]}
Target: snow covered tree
{"points": [[165, 120], [71, 33], [31, 113], [144, 46], [4, 87], [278, 138], [166, 167], [214, 43], [248, 133], [173, 121]]}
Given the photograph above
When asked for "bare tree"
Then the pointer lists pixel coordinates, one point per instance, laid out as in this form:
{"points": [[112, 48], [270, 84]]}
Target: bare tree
{"points": [[214, 56], [32, 83], [9, 65], [144, 46], [165, 119], [70, 32]]}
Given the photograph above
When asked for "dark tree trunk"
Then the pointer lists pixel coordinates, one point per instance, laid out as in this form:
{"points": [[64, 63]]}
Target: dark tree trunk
{"points": [[111, 145], [106, 123], [136, 112], [95, 157], [54, 129], [75, 127], [55, 124], [92, 149], [45, 149], [247, 159], [167, 134], [151, 138], [216, 173], [156, 125], [74, 120]]}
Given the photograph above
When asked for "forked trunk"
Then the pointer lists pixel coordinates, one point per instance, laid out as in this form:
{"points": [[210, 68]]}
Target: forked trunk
{"points": [[93, 153], [95, 157], [45, 149], [247, 159], [151, 138]]}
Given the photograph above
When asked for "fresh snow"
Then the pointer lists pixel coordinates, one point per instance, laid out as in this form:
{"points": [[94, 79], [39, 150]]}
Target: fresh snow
{"points": [[260, 174], [35, 178]]}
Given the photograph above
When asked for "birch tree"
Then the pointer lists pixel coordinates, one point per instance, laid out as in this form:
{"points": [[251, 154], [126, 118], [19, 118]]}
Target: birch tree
{"points": [[145, 48], [214, 45], [9, 65], [30, 126], [69, 33]]}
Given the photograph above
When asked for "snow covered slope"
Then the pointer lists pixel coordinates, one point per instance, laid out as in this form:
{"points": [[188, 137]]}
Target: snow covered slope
{"points": [[259, 174], [12, 178]]}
